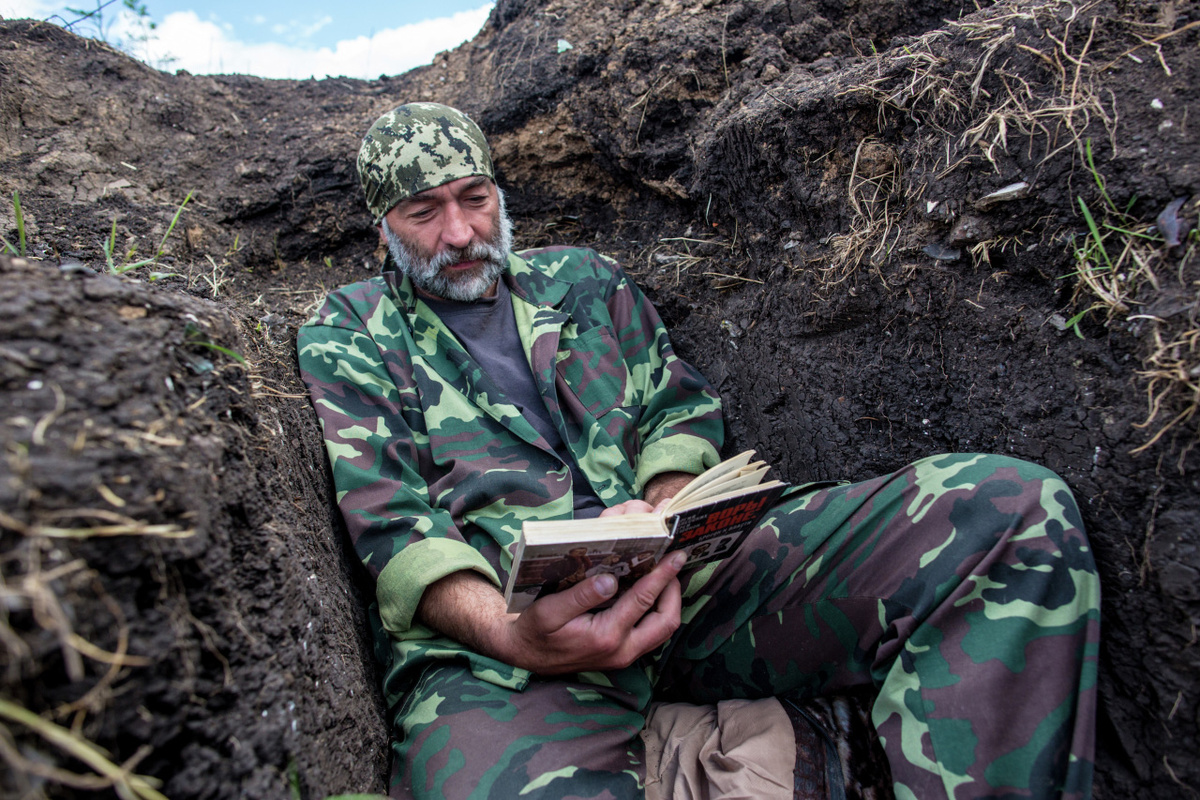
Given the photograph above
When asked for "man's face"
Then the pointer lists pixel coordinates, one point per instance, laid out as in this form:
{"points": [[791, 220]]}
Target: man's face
{"points": [[451, 241]]}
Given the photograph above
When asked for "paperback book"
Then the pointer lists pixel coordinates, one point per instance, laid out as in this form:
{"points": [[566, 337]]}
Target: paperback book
{"points": [[709, 518]]}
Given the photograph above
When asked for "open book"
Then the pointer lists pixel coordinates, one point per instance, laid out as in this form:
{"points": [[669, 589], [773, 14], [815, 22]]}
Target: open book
{"points": [[708, 518]]}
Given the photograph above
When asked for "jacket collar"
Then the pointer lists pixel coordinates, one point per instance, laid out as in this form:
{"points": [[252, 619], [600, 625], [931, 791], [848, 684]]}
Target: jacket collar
{"points": [[536, 298]]}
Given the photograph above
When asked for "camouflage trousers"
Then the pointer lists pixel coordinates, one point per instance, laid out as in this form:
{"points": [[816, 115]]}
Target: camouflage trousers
{"points": [[962, 588]]}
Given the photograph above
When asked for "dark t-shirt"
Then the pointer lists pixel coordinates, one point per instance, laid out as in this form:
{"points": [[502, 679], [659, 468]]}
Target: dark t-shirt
{"points": [[488, 331]]}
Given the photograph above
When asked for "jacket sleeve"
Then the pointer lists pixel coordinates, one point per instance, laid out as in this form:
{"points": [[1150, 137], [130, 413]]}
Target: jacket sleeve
{"points": [[374, 450], [681, 425]]}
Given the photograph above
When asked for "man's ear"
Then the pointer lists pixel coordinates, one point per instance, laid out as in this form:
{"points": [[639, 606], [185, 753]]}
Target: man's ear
{"points": [[382, 238]]}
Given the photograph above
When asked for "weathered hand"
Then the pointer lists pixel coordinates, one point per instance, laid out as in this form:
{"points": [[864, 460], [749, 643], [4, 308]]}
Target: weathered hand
{"points": [[662, 487], [628, 507], [560, 634]]}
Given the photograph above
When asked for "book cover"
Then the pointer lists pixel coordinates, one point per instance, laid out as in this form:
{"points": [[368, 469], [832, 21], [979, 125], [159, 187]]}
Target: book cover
{"points": [[709, 518], [547, 561], [715, 529]]}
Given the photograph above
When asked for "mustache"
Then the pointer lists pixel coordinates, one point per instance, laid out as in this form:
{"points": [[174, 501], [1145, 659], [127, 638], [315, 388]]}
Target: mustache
{"points": [[476, 251]]}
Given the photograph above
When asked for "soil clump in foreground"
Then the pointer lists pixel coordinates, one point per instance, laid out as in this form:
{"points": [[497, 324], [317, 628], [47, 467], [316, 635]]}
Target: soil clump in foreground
{"points": [[882, 230]]}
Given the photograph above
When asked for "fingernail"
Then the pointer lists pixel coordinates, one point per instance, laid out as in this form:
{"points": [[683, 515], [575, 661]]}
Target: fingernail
{"points": [[678, 559], [606, 585]]}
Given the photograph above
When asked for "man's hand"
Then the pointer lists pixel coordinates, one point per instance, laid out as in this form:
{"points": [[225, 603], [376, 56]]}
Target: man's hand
{"points": [[658, 493], [665, 485], [630, 507], [559, 633]]}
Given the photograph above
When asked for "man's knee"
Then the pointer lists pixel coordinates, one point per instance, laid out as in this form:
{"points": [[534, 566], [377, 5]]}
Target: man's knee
{"points": [[1008, 484]]}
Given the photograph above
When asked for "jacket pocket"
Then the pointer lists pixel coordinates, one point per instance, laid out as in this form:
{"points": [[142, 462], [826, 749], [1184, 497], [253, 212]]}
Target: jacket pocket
{"points": [[591, 369]]}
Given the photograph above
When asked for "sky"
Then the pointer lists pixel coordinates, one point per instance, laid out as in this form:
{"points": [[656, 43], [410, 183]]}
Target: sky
{"points": [[276, 39]]}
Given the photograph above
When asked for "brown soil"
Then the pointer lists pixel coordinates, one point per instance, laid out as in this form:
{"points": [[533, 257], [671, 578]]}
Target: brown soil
{"points": [[777, 174]]}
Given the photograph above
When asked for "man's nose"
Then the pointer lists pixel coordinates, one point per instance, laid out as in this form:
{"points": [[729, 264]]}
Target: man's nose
{"points": [[456, 229]]}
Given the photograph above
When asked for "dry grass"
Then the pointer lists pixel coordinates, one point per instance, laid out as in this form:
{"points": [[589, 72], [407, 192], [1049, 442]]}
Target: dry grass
{"points": [[106, 775], [1054, 107], [44, 586], [978, 118], [1172, 368], [981, 252], [875, 190], [303, 302], [1172, 383], [1060, 117], [712, 257], [1035, 80], [1110, 284], [1126, 272], [216, 279]]}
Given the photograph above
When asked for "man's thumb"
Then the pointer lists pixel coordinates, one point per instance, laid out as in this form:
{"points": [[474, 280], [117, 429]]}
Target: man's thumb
{"points": [[605, 585]]}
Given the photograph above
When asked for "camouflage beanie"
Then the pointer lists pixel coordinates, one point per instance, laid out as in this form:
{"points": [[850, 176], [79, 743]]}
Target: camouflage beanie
{"points": [[415, 147]]}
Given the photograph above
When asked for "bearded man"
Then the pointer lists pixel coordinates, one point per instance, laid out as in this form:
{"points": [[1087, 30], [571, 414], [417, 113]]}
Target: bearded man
{"points": [[470, 388]]}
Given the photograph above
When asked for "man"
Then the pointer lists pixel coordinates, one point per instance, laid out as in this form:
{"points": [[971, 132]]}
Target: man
{"points": [[470, 388]]}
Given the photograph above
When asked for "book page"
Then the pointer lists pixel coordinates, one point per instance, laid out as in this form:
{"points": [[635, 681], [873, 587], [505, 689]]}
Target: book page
{"points": [[717, 498], [744, 478], [537, 533], [712, 475]]}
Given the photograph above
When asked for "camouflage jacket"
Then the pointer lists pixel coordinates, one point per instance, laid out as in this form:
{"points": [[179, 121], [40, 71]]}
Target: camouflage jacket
{"points": [[435, 472]]}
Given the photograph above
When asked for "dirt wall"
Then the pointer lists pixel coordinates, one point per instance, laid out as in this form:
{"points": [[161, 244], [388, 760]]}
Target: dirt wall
{"points": [[807, 191]]}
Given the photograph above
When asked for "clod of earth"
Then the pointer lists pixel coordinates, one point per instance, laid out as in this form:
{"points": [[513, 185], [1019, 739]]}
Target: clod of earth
{"points": [[779, 163]]}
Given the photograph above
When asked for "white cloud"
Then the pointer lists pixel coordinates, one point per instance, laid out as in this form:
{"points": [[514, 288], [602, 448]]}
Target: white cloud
{"points": [[308, 30], [27, 9], [184, 41], [296, 31]]}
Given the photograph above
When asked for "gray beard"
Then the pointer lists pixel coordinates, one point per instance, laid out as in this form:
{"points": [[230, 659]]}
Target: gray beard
{"points": [[427, 274]]}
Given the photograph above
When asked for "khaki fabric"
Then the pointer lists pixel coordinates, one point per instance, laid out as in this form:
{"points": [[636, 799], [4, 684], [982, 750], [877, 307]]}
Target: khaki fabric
{"points": [[735, 749]]}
